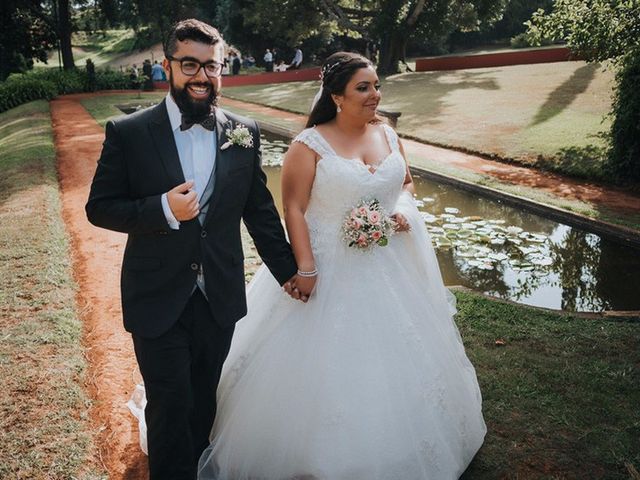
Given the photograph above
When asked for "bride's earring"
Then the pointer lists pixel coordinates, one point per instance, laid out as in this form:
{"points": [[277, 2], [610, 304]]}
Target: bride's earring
{"points": [[338, 108]]}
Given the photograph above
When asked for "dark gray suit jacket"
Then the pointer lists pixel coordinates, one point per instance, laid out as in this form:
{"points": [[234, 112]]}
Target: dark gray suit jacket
{"points": [[139, 162]]}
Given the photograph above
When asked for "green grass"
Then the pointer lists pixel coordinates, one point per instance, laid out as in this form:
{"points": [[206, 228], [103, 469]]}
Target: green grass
{"points": [[520, 112], [106, 48], [560, 398], [44, 429], [103, 108], [111, 41]]}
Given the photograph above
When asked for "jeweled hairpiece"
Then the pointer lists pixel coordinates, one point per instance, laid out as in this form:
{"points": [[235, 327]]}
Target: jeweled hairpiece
{"points": [[327, 69]]}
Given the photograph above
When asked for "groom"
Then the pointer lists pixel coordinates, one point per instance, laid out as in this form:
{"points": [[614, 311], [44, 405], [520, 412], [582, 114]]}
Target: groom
{"points": [[178, 184]]}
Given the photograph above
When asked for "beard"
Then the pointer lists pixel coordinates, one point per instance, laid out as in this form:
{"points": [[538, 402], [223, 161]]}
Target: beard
{"points": [[190, 107]]}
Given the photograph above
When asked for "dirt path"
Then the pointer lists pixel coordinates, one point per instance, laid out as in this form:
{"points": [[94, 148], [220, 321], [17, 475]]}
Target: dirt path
{"points": [[97, 254]]}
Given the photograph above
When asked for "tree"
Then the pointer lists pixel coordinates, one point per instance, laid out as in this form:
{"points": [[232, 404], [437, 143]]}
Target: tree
{"points": [[392, 24], [64, 29], [26, 33], [599, 30]]}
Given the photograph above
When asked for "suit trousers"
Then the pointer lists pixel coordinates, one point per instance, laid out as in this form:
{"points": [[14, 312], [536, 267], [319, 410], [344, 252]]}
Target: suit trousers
{"points": [[181, 370]]}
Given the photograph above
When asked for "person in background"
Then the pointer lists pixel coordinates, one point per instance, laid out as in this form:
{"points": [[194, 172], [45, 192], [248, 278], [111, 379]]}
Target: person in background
{"points": [[91, 75], [157, 72], [268, 61], [235, 63], [281, 67], [147, 72], [297, 59]]}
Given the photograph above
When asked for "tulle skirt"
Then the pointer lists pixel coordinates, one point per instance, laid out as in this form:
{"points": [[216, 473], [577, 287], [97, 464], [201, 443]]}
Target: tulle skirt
{"points": [[367, 381]]}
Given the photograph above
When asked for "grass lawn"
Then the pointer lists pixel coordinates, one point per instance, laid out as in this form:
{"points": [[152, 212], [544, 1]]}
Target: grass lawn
{"points": [[560, 397], [103, 107], [521, 112], [44, 429]]}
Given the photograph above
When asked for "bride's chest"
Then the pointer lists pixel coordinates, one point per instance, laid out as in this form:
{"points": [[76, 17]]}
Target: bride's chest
{"points": [[339, 182]]}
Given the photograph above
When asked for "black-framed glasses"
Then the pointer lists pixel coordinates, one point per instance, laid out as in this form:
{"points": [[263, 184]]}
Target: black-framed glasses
{"points": [[190, 66]]}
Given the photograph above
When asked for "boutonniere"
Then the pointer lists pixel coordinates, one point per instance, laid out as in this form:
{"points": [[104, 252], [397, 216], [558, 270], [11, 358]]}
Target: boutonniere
{"points": [[240, 135]]}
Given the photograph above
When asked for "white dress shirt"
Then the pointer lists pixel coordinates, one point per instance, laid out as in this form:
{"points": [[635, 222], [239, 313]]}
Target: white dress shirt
{"points": [[197, 151]]}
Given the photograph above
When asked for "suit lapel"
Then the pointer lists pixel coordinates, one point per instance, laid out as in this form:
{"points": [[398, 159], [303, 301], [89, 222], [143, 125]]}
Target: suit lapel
{"points": [[160, 129], [222, 159]]}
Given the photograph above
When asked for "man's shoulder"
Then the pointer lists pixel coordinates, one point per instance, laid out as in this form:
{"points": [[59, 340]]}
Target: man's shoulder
{"points": [[240, 119], [141, 116]]}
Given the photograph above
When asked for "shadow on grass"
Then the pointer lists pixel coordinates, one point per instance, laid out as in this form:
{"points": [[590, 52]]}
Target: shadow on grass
{"points": [[589, 162], [430, 91], [566, 93]]}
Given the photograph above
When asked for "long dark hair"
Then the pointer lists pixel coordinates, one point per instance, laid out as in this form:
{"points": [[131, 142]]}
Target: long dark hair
{"points": [[337, 70]]}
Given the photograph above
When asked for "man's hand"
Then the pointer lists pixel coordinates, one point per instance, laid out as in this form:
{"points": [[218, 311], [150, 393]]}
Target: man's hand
{"points": [[299, 287], [183, 201]]}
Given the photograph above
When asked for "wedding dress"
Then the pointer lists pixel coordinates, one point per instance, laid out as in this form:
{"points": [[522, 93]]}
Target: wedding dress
{"points": [[369, 379]]}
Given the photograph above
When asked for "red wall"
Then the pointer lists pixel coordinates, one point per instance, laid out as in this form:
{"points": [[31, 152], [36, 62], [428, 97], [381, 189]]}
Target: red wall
{"points": [[519, 57], [262, 78]]}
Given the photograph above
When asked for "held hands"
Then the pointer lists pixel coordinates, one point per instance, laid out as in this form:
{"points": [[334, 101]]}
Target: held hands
{"points": [[183, 201], [401, 223], [299, 287]]}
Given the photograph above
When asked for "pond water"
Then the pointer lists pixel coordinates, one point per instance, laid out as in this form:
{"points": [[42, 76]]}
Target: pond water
{"points": [[497, 249]]}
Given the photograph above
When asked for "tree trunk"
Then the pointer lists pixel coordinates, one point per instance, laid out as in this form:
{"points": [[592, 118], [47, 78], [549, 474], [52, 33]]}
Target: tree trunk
{"points": [[392, 52], [64, 34]]}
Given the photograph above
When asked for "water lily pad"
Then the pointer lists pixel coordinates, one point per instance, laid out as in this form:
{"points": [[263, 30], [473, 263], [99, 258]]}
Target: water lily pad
{"points": [[513, 230], [542, 261]]}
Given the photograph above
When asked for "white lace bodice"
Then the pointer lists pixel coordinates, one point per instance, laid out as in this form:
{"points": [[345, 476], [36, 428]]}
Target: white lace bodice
{"points": [[340, 183]]}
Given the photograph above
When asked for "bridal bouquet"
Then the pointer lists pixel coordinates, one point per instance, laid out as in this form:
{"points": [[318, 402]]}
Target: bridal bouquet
{"points": [[367, 225]]}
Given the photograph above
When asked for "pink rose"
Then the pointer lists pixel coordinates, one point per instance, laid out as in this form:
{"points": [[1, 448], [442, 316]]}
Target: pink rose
{"points": [[374, 218], [363, 211], [376, 236], [356, 224], [362, 240]]}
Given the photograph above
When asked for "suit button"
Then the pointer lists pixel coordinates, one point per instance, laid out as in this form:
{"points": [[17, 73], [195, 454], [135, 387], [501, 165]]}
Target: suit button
{"points": [[203, 234], [194, 266]]}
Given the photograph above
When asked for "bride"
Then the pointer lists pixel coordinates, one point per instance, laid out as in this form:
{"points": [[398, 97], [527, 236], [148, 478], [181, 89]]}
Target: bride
{"points": [[368, 379]]}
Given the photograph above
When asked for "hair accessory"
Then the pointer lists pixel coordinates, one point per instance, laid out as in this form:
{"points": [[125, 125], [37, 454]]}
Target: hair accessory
{"points": [[327, 69]]}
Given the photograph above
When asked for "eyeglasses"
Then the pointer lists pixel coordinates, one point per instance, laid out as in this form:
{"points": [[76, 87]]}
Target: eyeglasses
{"points": [[191, 67]]}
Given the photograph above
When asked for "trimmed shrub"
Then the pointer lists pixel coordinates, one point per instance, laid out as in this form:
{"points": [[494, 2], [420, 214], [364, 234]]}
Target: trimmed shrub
{"points": [[112, 80], [17, 91], [47, 83]]}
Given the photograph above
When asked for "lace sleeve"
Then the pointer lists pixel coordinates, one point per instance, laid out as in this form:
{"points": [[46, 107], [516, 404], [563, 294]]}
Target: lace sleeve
{"points": [[310, 138]]}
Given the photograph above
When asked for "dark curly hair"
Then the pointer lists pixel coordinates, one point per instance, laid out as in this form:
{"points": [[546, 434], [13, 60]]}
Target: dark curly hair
{"points": [[336, 72], [190, 29]]}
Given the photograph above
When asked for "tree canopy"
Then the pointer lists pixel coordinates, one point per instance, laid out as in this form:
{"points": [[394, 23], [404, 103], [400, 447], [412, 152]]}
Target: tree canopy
{"points": [[26, 32], [595, 29], [599, 30]]}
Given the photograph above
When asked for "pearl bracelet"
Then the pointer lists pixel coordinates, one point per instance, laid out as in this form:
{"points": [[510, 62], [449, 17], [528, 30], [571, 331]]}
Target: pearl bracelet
{"points": [[312, 273]]}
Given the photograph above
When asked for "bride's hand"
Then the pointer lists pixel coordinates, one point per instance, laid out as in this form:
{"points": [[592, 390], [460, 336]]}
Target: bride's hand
{"points": [[402, 225], [300, 288]]}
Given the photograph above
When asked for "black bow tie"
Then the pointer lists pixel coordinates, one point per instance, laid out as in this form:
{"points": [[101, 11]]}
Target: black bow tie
{"points": [[208, 122]]}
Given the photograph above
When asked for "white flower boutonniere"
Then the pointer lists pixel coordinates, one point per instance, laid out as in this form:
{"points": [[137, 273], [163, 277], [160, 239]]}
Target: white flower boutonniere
{"points": [[240, 135]]}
